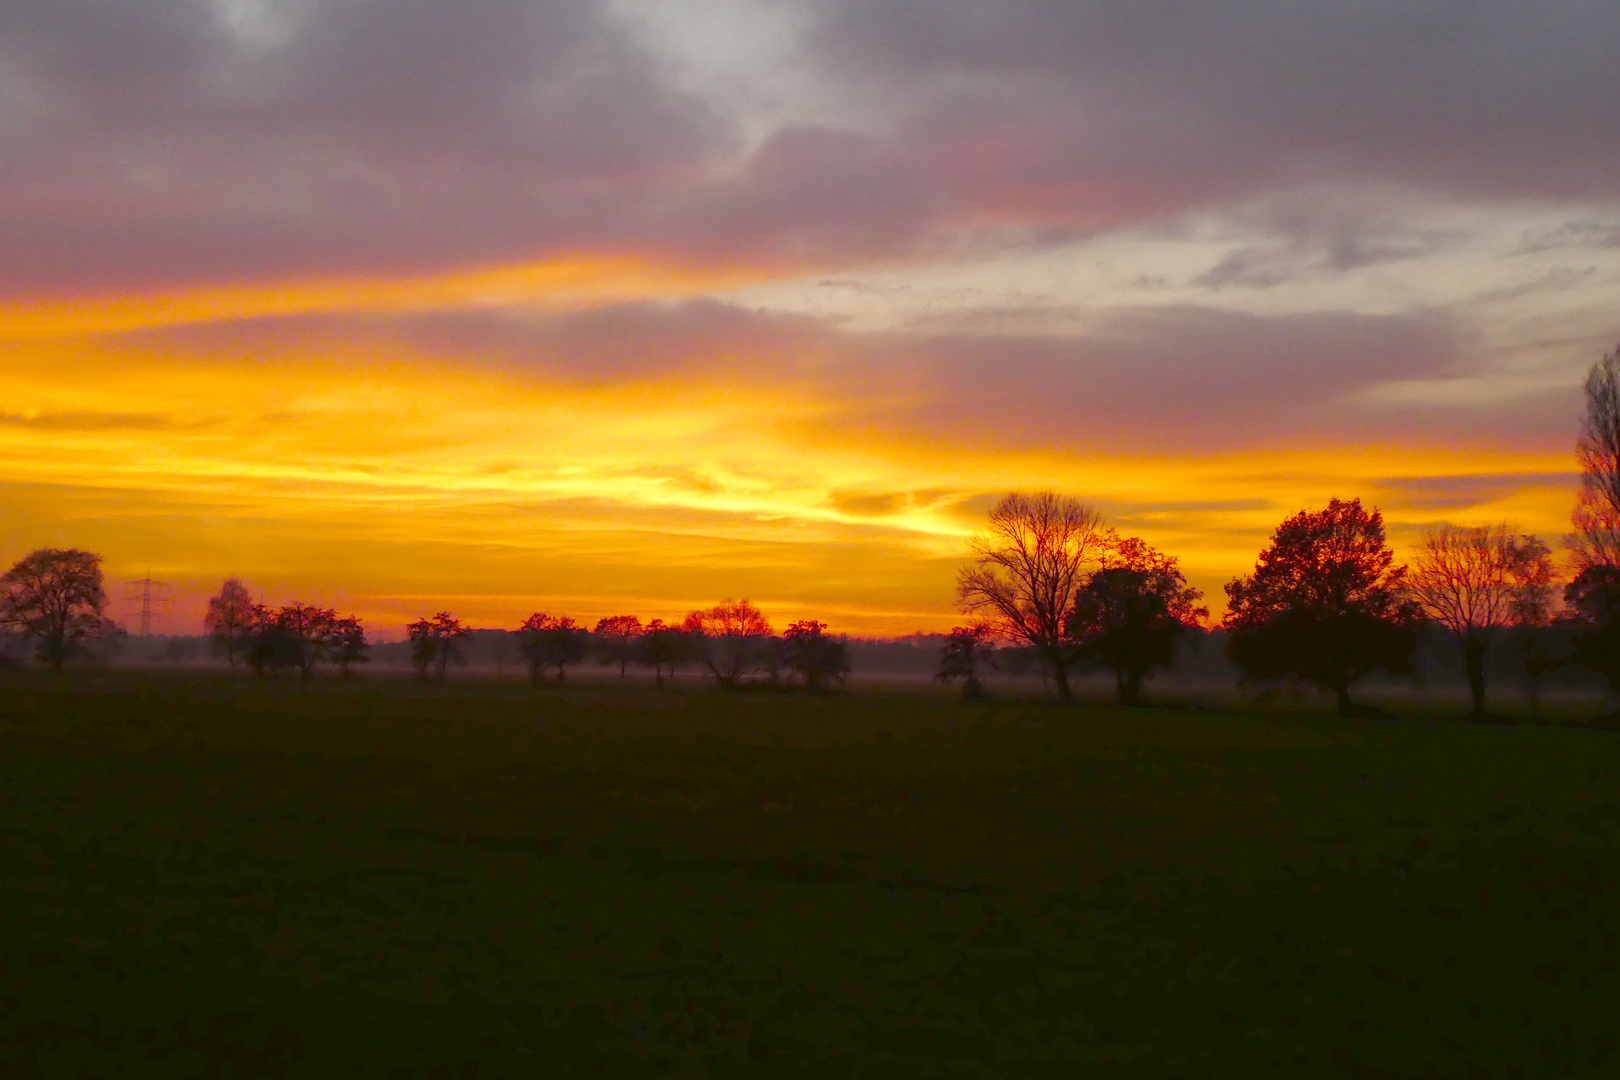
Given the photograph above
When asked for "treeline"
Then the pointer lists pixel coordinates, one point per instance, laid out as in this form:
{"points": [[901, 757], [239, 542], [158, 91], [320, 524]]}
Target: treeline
{"points": [[1326, 602]]}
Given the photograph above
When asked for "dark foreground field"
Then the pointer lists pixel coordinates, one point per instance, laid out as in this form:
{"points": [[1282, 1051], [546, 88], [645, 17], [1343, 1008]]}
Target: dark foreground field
{"points": [[207, 879]]}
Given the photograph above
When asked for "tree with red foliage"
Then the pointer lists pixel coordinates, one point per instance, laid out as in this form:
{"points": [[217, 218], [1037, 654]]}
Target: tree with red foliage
{"points": [[435, 640], [550, 641], [1325, 603], [736, 636], [56, 596], [308, 630], [617, 636], [346, 643], [1128, 614], [813, 655]]}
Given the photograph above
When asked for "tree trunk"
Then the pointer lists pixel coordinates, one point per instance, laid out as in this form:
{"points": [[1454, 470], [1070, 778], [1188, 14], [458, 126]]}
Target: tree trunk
{"points": [[1060, 675], [1341, 691], [1129, 691], [1474, 660]]}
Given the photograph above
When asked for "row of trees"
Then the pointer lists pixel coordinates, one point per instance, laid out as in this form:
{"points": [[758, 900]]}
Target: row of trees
{"points": [[1326, 601], [295, 636], [733, 640]]}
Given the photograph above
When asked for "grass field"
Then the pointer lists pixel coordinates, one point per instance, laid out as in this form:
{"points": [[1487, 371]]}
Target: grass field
{"points": [[207, 878]]}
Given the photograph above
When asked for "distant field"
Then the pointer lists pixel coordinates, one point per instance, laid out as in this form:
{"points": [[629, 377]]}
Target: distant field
{"points": [[213, 878]]}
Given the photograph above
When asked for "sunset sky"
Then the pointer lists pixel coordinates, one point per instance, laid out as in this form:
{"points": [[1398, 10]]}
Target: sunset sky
{"points": [[601, 306]]}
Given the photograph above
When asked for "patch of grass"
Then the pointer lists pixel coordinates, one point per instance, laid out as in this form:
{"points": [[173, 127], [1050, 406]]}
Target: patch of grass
{"points": [[227, 879]]}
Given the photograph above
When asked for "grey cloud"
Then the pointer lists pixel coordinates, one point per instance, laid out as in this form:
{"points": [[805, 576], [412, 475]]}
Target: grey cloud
{"points": [[1463, 491], [1163, 380], [78, 421], [1128, 107], [162, 147]]}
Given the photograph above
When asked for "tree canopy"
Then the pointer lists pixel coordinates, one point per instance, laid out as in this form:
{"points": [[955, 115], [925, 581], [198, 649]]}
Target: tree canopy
{"points": [[1326, 602], [1027, 564], [55, 596]]}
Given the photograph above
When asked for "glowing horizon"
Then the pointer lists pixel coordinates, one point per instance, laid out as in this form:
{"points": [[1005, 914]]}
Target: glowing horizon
{"points": [[630, 311]]}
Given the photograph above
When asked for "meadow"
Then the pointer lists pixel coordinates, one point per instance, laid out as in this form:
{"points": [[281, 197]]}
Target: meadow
{"points": [[214, 877]]}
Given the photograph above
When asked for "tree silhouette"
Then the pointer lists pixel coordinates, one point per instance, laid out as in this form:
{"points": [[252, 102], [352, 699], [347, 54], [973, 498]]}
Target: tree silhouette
{"points": [[963, 652], [1325, 603], [1474, 580], [55, 596], [1585, 597], [617, 636], [813, 656], [550, 641], [1128, 614], [346, 644], [1027, 565], [309, 629], [434, 640], [1596, 539], [266, 641], [658, 648], [735, 635], [228, 617]]}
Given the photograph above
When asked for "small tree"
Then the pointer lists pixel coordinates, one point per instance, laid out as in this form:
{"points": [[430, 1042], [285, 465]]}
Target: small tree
{"points": [[1027, 565], [55, 596], [228, 617], [964, 651], [1473, 581], [1128, 615], [1596, 539], [813, 656], [616, 635], [310, 630], [1325, 603], [550, 641], [660, 646], [346, 644], [736, 635], [436, 640], [266, 641]]}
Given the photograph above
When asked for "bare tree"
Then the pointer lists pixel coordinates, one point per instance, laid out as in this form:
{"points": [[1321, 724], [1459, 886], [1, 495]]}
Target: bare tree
{"points": [[1474, 580], [55, 596], [1596, 539], [735, 634], [1027, 565], [229, 615]]}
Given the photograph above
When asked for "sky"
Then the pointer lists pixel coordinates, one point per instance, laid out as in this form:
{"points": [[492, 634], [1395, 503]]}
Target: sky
{"points": [[596, 306]]}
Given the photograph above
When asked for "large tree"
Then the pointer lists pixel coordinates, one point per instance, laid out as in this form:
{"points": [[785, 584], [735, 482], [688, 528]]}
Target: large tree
{"points": [[1475, 580], [736, 637], [1027, 565], [55, 596], [435, 641], [310, 629], [550, 641], [229, 616], [1596, 539], [1128, 614], [814, 655], [616, 636], [1325, 603]]}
